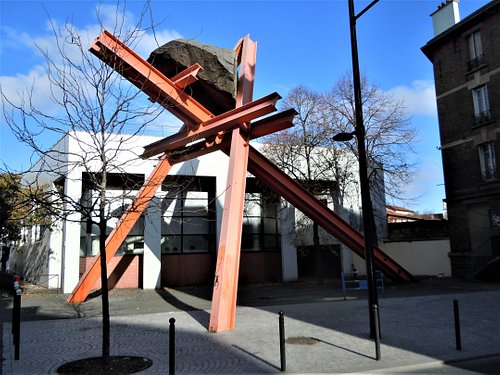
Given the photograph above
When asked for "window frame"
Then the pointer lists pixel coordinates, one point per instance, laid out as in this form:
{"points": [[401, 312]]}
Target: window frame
{"points": [[481, 104], [487, 161], [181, 186], [260, 235], [121, 189], [475, 50]]}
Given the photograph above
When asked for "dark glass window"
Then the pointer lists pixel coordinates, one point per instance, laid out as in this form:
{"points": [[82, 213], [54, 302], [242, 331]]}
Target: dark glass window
{"points": [[119, 196], [487, 161], [261, 224], [481, 105], [475, 46], [188, 215]]}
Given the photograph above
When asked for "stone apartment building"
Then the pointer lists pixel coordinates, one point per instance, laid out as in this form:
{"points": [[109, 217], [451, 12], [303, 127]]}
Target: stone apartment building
{"points": [[466, 58]]}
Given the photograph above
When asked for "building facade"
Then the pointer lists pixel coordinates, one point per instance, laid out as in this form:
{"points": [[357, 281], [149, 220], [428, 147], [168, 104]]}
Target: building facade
{"points": [[175, 241], [466, 58]]}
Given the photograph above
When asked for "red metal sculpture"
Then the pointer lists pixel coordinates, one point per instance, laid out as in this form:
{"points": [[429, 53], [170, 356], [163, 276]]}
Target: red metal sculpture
{"points": [[231, 133]]}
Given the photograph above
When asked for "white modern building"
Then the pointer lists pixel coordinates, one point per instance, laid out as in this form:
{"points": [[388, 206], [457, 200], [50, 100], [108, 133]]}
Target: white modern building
{"points": [[175, 241]]}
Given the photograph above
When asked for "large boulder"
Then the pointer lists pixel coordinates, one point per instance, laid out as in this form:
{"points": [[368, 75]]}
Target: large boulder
{"points": [[216, 87]]}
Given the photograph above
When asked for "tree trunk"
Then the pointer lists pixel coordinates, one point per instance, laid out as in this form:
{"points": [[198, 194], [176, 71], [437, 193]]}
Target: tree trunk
{"points": [[317, 255], [104, 284]]}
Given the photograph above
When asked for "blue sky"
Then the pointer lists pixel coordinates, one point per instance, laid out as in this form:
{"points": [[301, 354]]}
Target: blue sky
{"points": [[299, 43]]}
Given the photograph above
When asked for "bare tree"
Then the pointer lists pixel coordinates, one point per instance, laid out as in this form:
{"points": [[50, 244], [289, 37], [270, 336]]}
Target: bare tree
{"points": [[87, 98], [308, 154], [305, 153], [389, 134]]}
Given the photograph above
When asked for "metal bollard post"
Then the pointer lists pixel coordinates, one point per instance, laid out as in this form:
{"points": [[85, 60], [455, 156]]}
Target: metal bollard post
{"points": [[171, 347], [282, 341], [458, 338], [14, 311], [16, 322], [376, 320]]}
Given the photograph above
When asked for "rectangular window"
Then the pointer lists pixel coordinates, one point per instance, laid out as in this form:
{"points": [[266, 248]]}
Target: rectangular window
{"points": [[117, 204], [481, 104], [261, 225], [487, 160], [475, 50], [188, 219]]}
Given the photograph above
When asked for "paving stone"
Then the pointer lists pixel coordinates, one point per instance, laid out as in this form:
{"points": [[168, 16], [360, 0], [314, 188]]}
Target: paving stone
{"points": [[415, 330]]}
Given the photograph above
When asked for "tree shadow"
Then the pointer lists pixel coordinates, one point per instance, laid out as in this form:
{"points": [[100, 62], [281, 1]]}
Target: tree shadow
{"points": [[201, 316], [256, 357], [343, 348]]}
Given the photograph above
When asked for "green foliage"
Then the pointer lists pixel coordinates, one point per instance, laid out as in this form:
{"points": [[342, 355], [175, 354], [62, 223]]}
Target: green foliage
{"points": [[21, 206], [10, 228]]}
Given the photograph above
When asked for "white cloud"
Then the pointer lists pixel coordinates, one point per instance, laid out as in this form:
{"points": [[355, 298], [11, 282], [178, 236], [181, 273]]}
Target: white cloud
{"points": [[419, 98], [149, 42], [33, 86], [35, 79], [426, 191]]}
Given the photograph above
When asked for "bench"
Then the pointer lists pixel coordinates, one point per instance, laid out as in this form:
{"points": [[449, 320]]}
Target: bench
{"points": [[354, 281]]}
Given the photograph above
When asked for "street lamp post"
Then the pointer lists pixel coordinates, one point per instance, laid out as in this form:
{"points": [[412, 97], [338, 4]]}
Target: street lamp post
{"points": [[363, 175]]}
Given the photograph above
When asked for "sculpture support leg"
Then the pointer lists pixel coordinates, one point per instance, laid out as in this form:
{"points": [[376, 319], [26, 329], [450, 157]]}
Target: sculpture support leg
{"points": [[123, 228], [223, 313]]}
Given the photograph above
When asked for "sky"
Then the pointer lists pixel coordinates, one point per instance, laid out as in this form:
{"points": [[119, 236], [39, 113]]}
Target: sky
{"points": [[299, 43]]}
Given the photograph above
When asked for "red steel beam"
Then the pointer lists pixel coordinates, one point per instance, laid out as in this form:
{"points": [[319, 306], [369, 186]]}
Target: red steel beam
{"points": [[299, 197], [223, 313], [223, 122], [149, 79], [269, 125], [122, 229], [187, 76]]}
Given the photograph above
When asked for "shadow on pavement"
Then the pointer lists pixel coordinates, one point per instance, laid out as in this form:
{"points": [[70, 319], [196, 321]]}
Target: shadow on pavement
{"points": [[422, 324], [203, 317]]}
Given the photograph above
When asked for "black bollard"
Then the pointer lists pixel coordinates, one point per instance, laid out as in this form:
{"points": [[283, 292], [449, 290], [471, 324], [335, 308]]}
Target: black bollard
{"points": [[376, 320], [171, 347], [16, 322], [282, 341], [458, 338], [14, 312]]}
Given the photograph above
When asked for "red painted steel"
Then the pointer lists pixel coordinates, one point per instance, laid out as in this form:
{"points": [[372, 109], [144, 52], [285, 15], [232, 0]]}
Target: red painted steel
{"points": [[223, 313], [187, 77], [165, 91], [223, 122], [289, 189], [122, 229], [260, 128], [149, 79]]}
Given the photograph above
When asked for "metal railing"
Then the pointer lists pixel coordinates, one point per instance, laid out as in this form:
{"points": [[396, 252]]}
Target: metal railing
{"points": [[482, 117], [476, 62]]}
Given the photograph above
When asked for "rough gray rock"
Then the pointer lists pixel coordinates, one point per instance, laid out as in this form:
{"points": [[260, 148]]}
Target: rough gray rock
{"points": [[216, 87]]}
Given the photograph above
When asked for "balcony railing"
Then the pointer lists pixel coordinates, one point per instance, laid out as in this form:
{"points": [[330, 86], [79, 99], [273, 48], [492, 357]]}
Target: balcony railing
{"points": [[489, 174], [476, 62], [482, 118]]}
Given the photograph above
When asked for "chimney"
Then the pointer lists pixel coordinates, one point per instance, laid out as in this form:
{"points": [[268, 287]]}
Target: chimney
{"points": [[445, 16]]}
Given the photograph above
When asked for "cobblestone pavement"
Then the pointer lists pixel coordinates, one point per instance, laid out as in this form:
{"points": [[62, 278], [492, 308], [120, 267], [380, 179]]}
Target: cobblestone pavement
{"points": [[324, 334]]}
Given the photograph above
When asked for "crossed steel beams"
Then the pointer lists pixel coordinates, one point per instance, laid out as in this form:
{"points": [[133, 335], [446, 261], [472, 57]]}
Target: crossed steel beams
{"points": [[229, 132]]}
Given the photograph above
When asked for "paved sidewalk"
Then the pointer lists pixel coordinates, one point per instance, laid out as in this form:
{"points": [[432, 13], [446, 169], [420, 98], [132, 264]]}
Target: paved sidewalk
{"points": [[330, 335]]}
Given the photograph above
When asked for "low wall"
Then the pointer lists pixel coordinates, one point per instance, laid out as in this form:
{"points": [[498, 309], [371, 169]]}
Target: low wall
{"points": [[420, 258], [260, 267], [187, 269], [124, 271]]}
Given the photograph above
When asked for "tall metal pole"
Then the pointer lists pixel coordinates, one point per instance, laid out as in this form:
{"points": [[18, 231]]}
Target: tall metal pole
{"points": [[363, 170]]}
